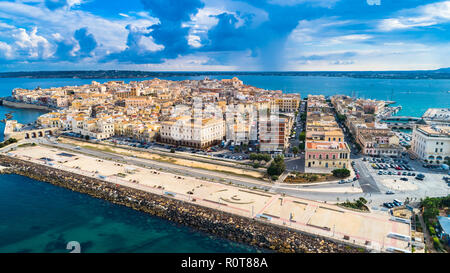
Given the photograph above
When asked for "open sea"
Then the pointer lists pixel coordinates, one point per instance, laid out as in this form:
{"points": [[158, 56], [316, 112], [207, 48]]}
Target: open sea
{"points": [[40, 217]]}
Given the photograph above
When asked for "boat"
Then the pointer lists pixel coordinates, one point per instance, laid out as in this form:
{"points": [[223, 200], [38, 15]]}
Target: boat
{"points": [[8, 117]]}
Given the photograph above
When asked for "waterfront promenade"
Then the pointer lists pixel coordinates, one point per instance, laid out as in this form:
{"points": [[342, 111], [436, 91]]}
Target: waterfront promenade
{"points": [[371, 230]]}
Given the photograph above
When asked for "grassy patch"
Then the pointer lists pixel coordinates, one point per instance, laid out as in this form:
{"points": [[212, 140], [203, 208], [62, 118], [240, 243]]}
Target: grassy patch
{"points": [[26, 145], [297, 177], [359, 204]]}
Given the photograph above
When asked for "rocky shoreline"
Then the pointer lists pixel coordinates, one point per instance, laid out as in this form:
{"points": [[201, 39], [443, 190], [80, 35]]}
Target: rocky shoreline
{"points": [[23, 105], [218, 223]]}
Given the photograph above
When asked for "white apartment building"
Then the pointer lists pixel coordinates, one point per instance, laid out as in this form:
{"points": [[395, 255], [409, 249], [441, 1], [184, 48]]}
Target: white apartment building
{"points": [[431, 143], [94, 128], [199, 133]]}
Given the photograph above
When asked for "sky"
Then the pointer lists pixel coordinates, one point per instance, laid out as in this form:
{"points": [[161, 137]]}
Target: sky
{"points": [[224, 35]]}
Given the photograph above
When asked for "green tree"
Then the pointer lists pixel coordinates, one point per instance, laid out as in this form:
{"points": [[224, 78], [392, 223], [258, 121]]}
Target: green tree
{"points": [[301, 146], [7, 142], [302, 136], [341, 118], [277, 167], [303, 117], [295, 150], [341, 173]]}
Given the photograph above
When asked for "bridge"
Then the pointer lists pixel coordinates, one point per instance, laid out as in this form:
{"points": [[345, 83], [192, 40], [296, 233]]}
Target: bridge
{"points": [[400, 122], [400, 118], [13, 129]]}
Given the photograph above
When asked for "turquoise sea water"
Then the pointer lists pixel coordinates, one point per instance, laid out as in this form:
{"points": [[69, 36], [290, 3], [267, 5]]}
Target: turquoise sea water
{"points": [[39, 217]]}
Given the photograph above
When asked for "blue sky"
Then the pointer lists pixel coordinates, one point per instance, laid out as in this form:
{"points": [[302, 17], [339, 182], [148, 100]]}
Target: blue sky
{"points": [[248, 35]]}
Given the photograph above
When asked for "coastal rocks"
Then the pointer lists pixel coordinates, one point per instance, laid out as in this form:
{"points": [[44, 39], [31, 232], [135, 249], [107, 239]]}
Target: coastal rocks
{"points": [[222, 224]]}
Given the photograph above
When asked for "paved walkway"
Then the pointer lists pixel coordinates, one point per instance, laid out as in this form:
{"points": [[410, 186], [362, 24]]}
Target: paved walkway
{"points": [[318, 218]]}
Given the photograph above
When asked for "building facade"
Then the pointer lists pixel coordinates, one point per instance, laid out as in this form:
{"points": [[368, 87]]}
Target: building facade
{"points": [[197, 133], [431, 143]]}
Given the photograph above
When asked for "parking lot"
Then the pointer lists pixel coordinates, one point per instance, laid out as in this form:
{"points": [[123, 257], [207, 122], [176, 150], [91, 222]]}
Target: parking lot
{"points": [[405, 178], [215, 151]]}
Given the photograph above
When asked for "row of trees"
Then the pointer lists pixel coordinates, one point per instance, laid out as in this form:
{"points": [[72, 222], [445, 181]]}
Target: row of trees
{"points": [[431, 206], [341, 118], [260, 157], [277, 167], [7, 142]]}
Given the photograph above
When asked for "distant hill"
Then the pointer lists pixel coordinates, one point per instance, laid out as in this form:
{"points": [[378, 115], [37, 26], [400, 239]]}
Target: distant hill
{"points": [[443, 73], [443, 70]]}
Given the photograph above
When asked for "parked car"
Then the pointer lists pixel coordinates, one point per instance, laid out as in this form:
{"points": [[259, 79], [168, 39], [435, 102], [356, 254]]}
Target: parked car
{"points": [[420, 176], [390, 192]]}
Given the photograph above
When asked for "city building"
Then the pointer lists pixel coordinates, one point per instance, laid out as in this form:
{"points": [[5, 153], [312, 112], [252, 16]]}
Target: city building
{"points": [[327, 155], [198, 133], [379, 144], [431, 143]]}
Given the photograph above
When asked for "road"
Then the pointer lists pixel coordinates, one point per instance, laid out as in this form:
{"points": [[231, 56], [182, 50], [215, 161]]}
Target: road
{"points": [[292, 190], [366, 181]]}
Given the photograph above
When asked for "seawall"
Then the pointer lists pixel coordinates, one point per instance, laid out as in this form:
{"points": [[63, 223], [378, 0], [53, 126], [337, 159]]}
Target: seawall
{"points": [[23, 105], [235, 228]]}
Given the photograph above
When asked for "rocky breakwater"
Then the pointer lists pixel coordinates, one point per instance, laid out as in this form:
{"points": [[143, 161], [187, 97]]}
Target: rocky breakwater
{"points": [[236, 228]]}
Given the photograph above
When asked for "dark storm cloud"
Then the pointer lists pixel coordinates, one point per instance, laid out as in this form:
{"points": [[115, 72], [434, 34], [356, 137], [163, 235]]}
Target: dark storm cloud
{"points": [[168, 33], [233, 32], [83, 41]]}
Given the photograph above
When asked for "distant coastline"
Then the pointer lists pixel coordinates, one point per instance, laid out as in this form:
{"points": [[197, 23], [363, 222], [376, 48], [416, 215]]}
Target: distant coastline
{"points": [[443, 73]]}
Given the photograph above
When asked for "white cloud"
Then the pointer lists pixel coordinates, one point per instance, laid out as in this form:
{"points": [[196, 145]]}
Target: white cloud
{"points": [[111, 34], [320, 3], [422, 16], [32, 44], [57, 37], [6, 51], [205, 19], [148, 44], [200, 24], [373, 2], [349, 38], [321, 32], [6, 26]]}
